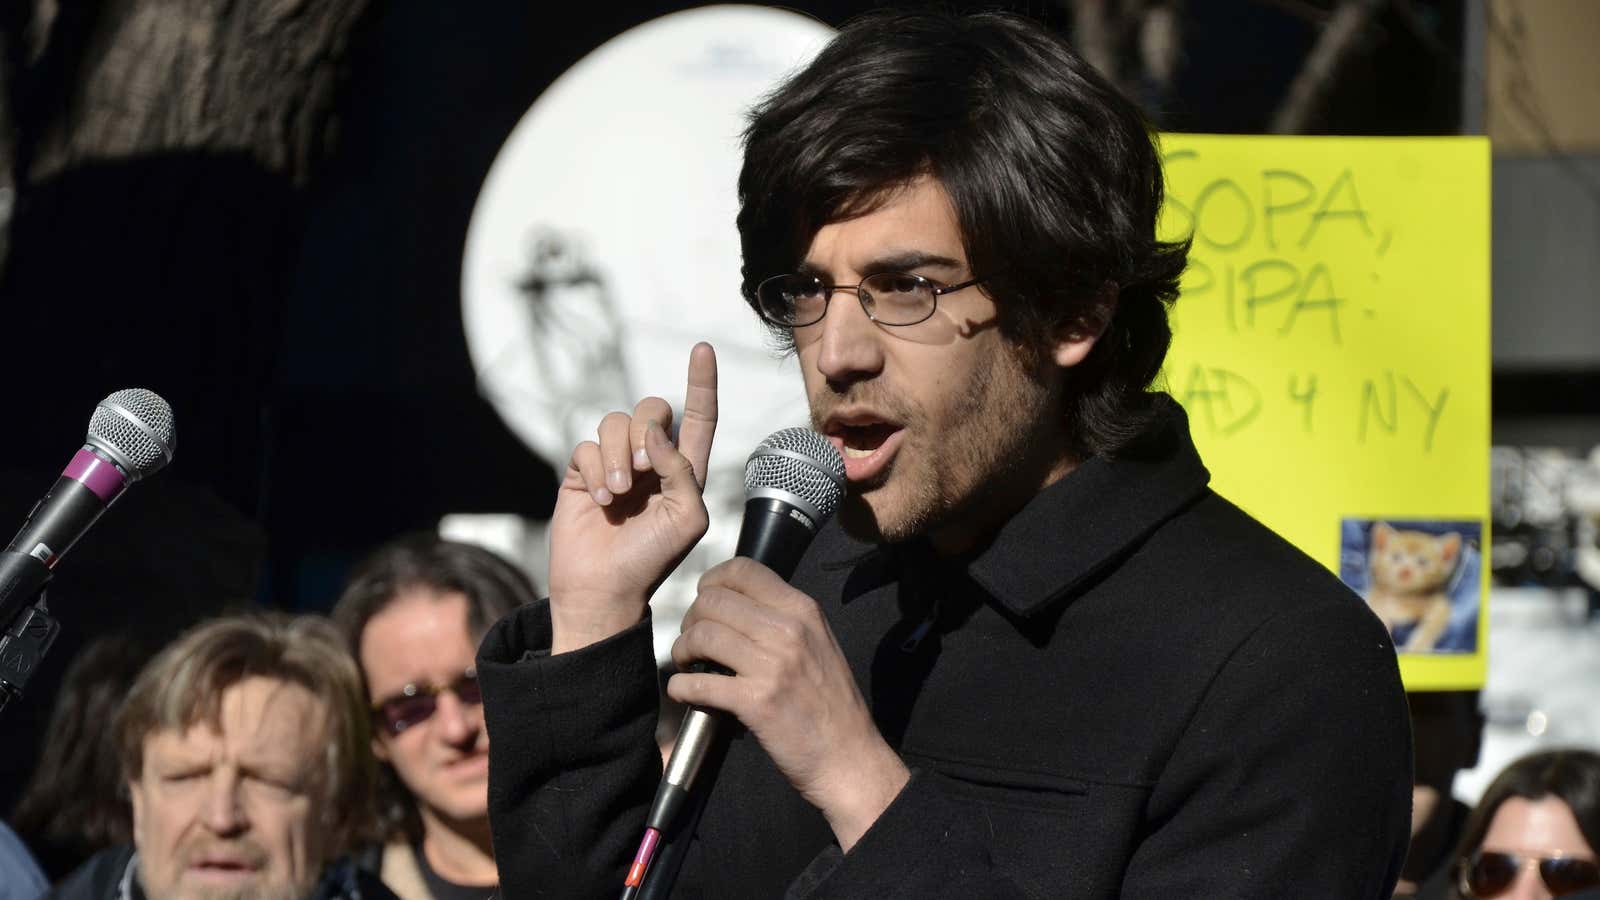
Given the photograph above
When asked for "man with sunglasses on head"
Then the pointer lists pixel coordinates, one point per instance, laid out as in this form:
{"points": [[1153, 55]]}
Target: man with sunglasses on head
{"points": [[413, 613], [1035, 656]]}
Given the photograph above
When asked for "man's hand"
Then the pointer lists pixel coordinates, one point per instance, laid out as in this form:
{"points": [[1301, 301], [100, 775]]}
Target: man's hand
{"points": [[629, 510], [792, 689]]}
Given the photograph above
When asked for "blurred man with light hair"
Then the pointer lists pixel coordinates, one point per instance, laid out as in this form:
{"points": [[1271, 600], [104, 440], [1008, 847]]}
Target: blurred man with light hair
{"points": [[244, 748]]}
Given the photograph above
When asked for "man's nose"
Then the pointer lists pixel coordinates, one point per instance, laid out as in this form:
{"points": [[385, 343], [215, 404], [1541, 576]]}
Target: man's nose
{"points": [[851, 344], [1528, 886], [223, 813]]}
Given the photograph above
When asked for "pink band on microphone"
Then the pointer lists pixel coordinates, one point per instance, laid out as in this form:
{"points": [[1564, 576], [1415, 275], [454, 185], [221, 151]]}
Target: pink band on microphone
{"points": [[96, 474]]}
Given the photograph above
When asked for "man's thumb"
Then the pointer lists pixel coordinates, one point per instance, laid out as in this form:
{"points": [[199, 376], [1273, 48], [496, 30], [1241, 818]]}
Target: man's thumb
{"points": [[677, 473]]}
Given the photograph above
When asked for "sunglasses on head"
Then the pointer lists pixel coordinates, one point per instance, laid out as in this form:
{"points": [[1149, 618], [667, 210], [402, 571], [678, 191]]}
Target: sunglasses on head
{"points": [[416, 702], [1488, 874]]}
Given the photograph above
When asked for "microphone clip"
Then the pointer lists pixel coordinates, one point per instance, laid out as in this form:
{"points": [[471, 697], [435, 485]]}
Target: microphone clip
{"points": [[29, 629]]}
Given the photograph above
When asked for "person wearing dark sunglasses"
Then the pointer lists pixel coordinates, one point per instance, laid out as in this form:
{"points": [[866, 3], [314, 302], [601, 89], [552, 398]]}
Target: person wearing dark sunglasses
{"points": [[1534, 833], [413, 613]]}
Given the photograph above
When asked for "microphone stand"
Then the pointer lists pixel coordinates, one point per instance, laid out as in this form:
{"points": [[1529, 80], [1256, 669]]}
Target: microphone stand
{"points": [[29, 629]]}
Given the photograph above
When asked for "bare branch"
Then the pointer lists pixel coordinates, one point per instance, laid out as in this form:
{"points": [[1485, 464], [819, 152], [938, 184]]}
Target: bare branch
{"points": [[1339, 40], [1095, 34], [1161, 42]]}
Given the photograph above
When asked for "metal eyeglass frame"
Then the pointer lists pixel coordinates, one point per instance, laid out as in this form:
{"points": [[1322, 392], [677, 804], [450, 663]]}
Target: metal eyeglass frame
{"points": [[933, 288]]}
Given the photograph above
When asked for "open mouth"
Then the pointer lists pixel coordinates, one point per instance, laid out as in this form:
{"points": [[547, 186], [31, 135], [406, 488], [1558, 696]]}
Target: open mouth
{"points": [[866, 442], [861, 441]]}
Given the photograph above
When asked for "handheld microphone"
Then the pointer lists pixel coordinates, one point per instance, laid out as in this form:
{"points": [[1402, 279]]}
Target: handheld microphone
{"points": [[793, 483], [130, 438]]}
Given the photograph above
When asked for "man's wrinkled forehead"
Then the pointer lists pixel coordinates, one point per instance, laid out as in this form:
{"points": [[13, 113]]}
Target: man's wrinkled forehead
{"points": [[257, 715]]}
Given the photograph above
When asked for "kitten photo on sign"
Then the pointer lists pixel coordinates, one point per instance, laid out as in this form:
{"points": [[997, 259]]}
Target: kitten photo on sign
{"points": [[1421, 578]]}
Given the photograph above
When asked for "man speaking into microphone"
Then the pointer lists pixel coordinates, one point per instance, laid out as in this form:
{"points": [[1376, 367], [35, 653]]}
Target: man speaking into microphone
{"points": [[1034, 655]]}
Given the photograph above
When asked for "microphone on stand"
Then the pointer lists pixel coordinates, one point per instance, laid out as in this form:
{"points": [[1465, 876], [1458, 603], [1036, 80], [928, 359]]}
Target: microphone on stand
{"points": [[130, 438], [793, 483]]}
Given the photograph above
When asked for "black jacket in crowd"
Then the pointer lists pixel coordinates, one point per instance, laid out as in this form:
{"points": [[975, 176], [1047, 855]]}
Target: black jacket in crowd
{"points": [[1134, 690]]}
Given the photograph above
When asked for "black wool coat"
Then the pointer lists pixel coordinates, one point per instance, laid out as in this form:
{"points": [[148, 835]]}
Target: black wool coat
{"points": [[1134, 690]]}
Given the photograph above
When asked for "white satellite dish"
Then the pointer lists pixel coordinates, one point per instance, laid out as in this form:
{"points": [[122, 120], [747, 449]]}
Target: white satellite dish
{"points": [[603, 246]]}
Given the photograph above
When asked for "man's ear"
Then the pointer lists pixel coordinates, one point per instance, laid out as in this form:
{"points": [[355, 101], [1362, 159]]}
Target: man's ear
{"points": [[1071, 341]]}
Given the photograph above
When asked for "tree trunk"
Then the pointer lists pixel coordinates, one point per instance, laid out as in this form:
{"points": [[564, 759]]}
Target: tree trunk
{"points": [[93, 81], [147, 76]]}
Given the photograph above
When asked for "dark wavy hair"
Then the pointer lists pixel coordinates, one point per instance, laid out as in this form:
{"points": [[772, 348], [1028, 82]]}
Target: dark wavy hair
{"points": [[493, 588], [1054, 176], [1571, 776]]}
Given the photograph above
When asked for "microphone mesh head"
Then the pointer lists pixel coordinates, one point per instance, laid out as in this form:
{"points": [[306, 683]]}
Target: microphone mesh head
{"points": [[134, 426], [801, 462]]}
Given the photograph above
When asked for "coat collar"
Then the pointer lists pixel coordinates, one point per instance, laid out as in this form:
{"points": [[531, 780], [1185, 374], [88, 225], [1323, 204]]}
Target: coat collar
{"points": [[1072, 531]]}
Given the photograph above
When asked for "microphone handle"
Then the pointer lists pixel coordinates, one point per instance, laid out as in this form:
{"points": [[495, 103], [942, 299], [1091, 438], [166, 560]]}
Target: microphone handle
{"points": [[26, 629], [776, 534], [57, 521], [54, 525], [691, 803]]}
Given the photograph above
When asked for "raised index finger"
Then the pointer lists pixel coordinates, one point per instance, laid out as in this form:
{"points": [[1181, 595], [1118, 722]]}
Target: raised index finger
{"points": [[699, 410]]}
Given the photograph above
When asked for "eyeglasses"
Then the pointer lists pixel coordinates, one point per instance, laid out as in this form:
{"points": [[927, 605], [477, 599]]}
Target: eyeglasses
{"points": [[888, 298], [416, 702], [1487, 874]]}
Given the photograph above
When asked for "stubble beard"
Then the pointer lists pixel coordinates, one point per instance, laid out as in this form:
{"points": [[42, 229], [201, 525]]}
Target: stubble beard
{"points": [[940, 480]]}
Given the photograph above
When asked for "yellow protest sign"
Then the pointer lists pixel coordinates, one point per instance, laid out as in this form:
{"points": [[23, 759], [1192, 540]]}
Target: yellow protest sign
{"points": [[1331, 347]]}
